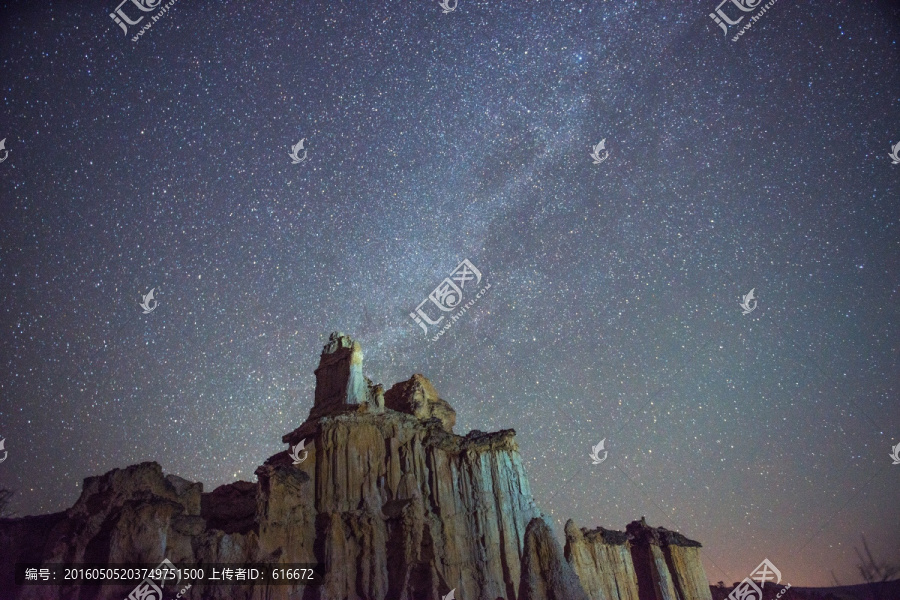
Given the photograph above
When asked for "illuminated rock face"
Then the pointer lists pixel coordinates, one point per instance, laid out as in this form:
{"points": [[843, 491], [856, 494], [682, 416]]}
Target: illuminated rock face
{"points": [[389, 501], [409, 510], [418, 397], [602, 560], [687, 571], [640, 563], [340, 382], [404, 508], [667, 564], [545, 573]]}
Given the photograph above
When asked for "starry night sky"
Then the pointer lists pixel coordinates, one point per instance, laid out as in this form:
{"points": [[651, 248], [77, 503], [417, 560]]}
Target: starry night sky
{"points": [[431, 138]]}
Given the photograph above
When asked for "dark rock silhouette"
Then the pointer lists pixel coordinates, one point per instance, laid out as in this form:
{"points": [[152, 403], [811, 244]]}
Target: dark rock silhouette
{"points": [[387, 499]]}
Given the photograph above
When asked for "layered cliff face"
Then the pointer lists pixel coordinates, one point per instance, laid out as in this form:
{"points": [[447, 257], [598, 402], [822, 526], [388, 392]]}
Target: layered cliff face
{"points": [[667, 562], [545, 574], [386, 498], [404, 508], [602, 561], [640, 563]]}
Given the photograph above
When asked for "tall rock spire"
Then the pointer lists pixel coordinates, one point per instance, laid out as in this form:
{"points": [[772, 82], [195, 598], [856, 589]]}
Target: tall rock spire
{"points": [[340, 382]]}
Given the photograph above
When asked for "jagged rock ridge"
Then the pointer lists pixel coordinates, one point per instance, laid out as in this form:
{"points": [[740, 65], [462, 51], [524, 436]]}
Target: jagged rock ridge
{"points": [[388, 499]]}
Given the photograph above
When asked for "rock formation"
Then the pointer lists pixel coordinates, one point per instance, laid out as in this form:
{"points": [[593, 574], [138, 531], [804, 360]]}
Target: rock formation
{"points": [[386, 498], [666, 563], [545, 575], [640, 563], [602, 561]]}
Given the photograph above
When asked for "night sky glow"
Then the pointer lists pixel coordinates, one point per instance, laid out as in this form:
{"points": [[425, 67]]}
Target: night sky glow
{"points": [[614, 309]]}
